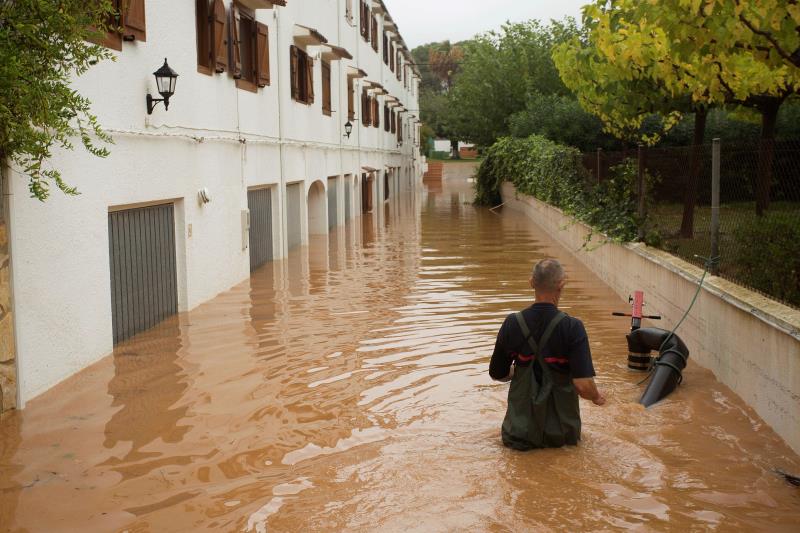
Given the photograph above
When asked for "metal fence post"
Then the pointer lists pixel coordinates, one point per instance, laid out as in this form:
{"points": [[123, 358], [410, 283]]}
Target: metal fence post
{"points": [[715, 158], [641, 191]]}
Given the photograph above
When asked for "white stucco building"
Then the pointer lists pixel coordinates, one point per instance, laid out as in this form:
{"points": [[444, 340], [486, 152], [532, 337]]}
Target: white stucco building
{"points": [[257, 123]]}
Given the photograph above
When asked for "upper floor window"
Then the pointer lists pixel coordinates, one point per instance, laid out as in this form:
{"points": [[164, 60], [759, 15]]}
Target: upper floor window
{"points": [[326, 88], [385, 48], [391, 57], [374, 33], [302, 75], [366, 108], [348, 10], [386, 120], [249, 42], [365, 20], [128, 24], [351, 98]]}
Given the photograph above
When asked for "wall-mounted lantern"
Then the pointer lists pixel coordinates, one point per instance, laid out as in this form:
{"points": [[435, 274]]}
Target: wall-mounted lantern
{"points": [[165, 81], [348, 129]]}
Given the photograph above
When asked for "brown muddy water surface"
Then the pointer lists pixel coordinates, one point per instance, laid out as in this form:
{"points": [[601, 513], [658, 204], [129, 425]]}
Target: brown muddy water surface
{"points": [[346, 389]]}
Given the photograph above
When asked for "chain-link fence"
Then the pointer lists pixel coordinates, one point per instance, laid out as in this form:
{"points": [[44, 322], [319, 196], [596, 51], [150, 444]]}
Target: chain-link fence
{"points": [[757, 237]]}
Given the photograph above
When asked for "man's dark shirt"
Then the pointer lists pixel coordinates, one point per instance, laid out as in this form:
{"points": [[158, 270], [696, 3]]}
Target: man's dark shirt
{"points": [[566, 352]]}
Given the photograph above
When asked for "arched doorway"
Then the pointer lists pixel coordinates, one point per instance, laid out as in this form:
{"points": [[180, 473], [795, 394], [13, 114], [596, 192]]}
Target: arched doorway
{"points": [[317, 209]]}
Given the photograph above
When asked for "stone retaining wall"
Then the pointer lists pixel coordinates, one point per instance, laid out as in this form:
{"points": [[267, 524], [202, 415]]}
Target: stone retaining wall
{"points": [[8, 370], [749, 342]]}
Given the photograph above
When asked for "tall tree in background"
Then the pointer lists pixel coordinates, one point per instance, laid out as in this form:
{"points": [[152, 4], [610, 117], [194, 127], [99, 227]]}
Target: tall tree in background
{"points": [[500, 72], [43, 47], [444, 63]]}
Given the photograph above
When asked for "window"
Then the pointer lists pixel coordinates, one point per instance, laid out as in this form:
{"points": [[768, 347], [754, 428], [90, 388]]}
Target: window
{"points": [[394, 122], [374, 34], [127, 25], [326, 89], [365, 21], [302, 75], [386, 119], [399, 128], [351, 99], [391, 57], [348, 10], [204, 28], [366, 108], [385, 48], [376, 113], [399, 66], [249, 49]]}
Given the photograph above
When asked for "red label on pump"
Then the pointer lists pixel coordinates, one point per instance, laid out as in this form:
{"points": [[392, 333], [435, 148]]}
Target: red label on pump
{"points": [[638, 303]]}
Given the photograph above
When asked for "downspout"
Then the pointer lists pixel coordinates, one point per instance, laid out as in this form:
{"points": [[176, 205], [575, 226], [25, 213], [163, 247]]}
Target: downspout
{"points": [[284, 229]]}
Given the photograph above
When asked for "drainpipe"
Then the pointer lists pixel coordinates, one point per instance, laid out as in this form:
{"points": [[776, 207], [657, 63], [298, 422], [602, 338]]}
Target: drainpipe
{"points": [[283, 226]]}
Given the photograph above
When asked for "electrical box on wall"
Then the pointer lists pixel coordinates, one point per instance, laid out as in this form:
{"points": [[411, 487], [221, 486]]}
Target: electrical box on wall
{"points": [[245, 228]]}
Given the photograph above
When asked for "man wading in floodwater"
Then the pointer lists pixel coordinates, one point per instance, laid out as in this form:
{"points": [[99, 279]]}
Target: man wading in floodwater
{"points": [[545, 354]]}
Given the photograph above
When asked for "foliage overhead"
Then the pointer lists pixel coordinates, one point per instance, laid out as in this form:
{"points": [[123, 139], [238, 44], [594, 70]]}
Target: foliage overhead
{"points": [[43, 47]]}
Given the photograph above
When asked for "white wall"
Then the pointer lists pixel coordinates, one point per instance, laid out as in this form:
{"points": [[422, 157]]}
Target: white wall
{"points": [[213, 135]]}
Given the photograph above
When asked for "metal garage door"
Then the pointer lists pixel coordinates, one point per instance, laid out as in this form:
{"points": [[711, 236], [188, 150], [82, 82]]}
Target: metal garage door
{"points": [[144, 288], [294, 200], [333, 202], [259, 201], [348, 197]]}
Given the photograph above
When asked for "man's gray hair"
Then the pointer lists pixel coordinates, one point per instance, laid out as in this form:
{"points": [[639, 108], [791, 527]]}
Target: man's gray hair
{"points": [[547, 274]]}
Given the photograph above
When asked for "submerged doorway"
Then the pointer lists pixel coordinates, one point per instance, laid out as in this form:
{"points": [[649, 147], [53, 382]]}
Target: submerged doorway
{"points": [[144, 281]]}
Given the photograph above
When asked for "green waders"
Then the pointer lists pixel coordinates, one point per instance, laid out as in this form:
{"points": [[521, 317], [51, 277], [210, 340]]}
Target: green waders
{"points": [[542, 415]]}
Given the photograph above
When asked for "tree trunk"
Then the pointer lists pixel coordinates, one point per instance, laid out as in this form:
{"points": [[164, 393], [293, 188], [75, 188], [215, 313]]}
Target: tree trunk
{"points": [[766, 152], [454, 148], [695, 167]]}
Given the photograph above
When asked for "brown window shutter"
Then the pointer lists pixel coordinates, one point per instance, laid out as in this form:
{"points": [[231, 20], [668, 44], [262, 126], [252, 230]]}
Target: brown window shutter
{"points": [[310, 79], [236, 54], [391, 57], [376, 113], [133, 20], [262, 54], [394, 122], [374, 33], [364, 20], [327, 106], [385, 48], [112, 38], [386, 120], [364, 108], [351, 100], [295, 72], [219, 36]]}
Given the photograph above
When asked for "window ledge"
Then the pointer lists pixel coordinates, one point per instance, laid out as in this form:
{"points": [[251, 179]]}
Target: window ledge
{"points": [[202, 69]]}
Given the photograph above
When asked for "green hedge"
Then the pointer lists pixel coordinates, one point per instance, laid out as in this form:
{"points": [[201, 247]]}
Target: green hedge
{"points": [[553, 173]]}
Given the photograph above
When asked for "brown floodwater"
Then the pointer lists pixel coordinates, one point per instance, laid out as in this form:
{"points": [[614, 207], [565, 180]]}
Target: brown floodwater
{"points": [[346, 389]]}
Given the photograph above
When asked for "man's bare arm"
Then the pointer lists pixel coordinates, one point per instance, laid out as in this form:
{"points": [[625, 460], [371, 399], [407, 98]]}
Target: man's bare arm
{"points": [[587, 389]]}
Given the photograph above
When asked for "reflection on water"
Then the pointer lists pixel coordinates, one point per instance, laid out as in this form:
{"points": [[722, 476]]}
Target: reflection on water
{"points": [[346, 388]]}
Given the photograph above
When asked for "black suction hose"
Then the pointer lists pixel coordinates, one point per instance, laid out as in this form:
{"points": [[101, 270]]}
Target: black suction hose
{"points": [[668, 367]]}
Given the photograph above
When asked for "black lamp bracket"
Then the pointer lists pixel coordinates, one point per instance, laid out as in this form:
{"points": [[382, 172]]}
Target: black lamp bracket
{"points": [[151, 103]]}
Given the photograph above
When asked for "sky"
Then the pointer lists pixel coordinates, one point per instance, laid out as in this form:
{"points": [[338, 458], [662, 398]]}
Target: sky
{"points": [[425, 21]]}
